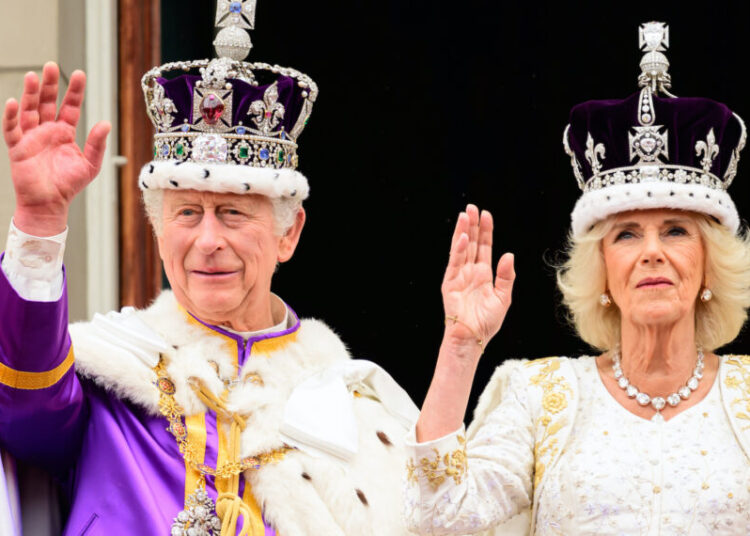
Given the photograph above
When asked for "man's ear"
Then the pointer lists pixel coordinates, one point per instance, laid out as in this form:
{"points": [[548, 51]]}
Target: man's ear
{"points": [[288, 242]]}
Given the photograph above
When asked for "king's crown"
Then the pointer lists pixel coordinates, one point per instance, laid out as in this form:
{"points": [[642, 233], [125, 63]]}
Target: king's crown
{"points": [[226, 110]]}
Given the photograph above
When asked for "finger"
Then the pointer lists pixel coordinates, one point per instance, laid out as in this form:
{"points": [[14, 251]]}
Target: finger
{"points": [[48, 94], [459, 253], [457, 258], [473, 212], [484, 242], [30, 102], [461, 227], [70, 109], [459, 242], [96, 144], [11, 129], [506, 274]]}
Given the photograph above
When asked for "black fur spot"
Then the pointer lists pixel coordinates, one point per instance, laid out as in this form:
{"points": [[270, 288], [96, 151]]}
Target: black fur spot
{"points": [[385, 439], [143, 183], [179, 162], [294, 192], [173, 183], [306, 476], [206, 173], [151, 168], [362, 497], [246, 185]]}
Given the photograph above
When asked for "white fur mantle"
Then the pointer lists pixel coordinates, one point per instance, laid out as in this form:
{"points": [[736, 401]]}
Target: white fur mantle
{"points": [[302, 495]]}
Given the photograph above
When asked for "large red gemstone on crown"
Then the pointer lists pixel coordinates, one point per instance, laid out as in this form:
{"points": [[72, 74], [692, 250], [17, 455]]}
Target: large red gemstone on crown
{"points": [[212, 108]]}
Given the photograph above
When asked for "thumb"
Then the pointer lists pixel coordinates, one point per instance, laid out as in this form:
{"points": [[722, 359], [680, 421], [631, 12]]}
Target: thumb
{"points": [[506, 273], [96, 144]]}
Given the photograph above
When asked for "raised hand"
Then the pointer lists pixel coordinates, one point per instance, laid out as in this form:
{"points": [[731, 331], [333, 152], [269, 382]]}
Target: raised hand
{"points": [[474, 300], [47, 167]]}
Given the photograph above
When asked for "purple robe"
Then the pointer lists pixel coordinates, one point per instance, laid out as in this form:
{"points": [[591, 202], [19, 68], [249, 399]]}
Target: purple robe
{"points": [[120, 466]]}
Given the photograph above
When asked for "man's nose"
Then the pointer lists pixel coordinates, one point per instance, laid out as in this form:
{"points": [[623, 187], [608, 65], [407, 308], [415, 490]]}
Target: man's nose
{"points": [[210, 236]]}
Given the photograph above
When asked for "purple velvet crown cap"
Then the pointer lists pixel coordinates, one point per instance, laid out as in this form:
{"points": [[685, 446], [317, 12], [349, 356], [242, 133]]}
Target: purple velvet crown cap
{"points": [[653, 152], [687, 121], [180, 91]]}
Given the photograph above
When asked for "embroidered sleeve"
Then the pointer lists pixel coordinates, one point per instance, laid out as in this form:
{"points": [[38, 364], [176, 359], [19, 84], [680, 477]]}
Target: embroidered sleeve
{"points": [[33, 265], [456, 485]]}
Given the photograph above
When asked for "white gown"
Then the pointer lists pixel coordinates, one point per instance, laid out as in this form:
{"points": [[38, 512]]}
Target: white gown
{"points": [[618, 474]]}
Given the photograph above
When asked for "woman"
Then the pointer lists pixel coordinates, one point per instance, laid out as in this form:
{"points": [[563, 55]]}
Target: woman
{"points": [[651, 436]]}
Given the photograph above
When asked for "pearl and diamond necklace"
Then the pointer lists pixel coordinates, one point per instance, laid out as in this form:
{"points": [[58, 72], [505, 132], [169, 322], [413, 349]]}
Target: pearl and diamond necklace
{"points": [[658, 402]]}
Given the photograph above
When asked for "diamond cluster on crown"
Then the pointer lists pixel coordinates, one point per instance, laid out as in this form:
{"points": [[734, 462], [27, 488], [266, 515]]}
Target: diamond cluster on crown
{"points": [[259, 139]]}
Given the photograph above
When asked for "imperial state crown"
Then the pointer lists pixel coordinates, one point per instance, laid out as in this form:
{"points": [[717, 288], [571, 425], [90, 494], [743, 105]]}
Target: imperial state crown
{"points": [[224, 124]]}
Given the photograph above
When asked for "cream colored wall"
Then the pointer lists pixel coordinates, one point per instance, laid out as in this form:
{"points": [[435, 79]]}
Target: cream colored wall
{"points": [[31, 33], [25, 44]]}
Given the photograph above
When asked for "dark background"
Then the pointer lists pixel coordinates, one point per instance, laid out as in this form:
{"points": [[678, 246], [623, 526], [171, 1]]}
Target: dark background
{"points": [[427, 105]]}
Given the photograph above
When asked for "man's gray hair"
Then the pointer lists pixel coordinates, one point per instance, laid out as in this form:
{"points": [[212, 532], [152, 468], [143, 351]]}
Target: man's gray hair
{"points": [[284, 211]]}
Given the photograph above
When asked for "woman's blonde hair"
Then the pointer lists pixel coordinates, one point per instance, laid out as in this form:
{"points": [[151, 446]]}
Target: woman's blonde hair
{"points": [[582, 280]]}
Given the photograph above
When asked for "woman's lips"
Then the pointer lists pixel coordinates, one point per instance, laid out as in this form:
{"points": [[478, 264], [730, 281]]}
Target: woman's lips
{"points": [[654, 282]]}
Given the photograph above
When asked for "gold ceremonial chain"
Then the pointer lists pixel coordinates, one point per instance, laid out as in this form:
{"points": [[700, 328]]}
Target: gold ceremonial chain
{"points": [[169, 407], [229, 506]]}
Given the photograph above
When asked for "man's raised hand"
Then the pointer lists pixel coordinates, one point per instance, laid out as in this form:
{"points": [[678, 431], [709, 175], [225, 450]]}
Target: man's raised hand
{"points": [[47, 167]]}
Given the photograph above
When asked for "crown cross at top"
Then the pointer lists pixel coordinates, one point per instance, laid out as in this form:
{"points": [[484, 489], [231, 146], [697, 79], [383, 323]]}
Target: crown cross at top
{"points": [[239, 13], [653, 37]]}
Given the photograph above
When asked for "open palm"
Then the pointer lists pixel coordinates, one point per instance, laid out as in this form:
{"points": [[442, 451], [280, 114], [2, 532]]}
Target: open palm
{"points": [[48, 168], [473, 298]]}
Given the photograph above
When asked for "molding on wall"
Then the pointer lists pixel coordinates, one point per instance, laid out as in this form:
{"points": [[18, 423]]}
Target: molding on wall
{"points": [[102, 194]]}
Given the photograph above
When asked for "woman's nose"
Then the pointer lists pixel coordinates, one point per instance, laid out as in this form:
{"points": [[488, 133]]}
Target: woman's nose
{"points": [[653, 252]]}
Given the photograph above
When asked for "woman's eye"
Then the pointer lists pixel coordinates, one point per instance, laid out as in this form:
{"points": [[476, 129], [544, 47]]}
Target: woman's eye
{"points": [[677, 231], [623, 235]]}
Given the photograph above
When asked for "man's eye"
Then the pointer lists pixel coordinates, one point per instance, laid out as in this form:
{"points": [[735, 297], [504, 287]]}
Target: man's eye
{"points": [[187, 212]]}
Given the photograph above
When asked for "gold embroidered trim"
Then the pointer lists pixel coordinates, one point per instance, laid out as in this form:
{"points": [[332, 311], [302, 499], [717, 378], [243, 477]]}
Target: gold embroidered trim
{"points": [[32, 381], [738, 378], [437, 470], [555, 391]]}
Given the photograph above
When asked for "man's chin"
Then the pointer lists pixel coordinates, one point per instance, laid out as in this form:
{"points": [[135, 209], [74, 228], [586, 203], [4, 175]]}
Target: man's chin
{"points": [[215, 304]]}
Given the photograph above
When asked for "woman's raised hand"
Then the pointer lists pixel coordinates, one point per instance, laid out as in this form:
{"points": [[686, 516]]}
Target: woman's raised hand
{"points": [[475, 300], [47, 167]]}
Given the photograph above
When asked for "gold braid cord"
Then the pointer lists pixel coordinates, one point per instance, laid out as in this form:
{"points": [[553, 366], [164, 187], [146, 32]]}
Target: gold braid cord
{"points": [[229, 505]]}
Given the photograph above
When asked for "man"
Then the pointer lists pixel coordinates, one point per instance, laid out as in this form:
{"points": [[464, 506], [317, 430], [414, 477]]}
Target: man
{"points": [[216, 410]]}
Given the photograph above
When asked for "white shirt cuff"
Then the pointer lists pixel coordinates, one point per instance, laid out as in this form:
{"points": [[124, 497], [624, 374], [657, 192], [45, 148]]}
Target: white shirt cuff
{"points": [[33, 264]]}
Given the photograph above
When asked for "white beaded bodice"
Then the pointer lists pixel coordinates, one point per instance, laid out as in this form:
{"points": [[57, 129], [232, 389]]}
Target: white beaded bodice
{"points": [[622, 474]]}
